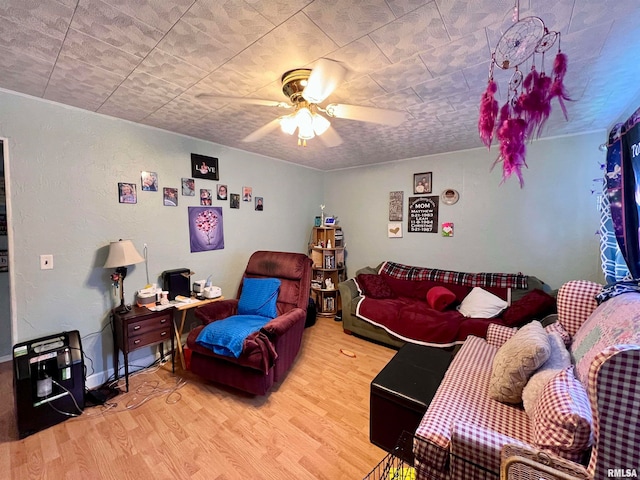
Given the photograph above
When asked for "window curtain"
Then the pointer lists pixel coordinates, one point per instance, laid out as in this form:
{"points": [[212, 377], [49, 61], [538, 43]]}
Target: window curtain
{"points": [[619, 220]]}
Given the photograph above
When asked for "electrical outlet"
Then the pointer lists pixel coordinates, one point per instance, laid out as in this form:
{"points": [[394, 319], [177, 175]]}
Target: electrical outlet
{"points": [[46, 262]]}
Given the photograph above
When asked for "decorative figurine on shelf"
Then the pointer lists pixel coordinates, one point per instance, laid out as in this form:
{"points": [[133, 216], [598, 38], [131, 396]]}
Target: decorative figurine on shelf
{"points": [[322, 215], [329, 243], [329, 284]]}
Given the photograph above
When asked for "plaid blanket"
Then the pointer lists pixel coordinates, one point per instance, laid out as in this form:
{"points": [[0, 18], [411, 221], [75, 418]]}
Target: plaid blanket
{"points": [[503, 280]]}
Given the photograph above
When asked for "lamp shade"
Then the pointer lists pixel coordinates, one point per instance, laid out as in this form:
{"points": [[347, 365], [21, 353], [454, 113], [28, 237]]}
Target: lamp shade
{"points": [[121, 254]]}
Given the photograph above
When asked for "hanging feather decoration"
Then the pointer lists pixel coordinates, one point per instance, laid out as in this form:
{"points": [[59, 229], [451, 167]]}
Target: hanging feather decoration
{"points": [[511, 134], [488, 114], [558, 90]]}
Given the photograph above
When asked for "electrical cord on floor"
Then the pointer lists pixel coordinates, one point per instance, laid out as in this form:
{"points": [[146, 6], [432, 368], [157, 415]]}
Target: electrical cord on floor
{"points": [[149, 390], [68, 414]]}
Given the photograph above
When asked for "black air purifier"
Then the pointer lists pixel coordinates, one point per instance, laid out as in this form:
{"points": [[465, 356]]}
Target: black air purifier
{"points": [[177, 282], [48, 381]]}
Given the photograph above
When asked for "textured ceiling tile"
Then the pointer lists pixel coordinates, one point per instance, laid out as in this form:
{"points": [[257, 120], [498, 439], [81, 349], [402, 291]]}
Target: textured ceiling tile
{"points": [[402, 7], [234, 24], [162, 65], [147, 84], [460, 53], [360, 57], [463, 16], [132, 105], [414, 32], [177, 111], [430, 108], [399, 100], [69, 70], [402, 74], [104, 22], [90, 50], [46, 17], [597, 12], [444, 86], [25, 41], [158, 14], [345, 21], [23, 74], [294, 44], [357, 92], [277, 11], [88, 97]]}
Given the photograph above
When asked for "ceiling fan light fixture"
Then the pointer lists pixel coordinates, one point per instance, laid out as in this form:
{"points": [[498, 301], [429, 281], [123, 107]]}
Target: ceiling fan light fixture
{"points": [[288, 124], [320, 124]]}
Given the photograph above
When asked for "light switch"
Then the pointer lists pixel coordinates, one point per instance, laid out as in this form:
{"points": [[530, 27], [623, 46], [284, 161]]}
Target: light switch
{"points": [[46, 262]]}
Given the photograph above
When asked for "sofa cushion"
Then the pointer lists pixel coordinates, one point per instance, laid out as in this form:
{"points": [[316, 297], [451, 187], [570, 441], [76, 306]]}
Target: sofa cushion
{"points": [[516, 361], [374, 286], [534, 305], [481, 304], [440, 298], [558, 360], [258, 297], [562, 417]]}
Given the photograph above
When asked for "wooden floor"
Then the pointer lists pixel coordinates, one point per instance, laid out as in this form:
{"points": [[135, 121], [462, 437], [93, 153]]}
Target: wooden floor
{"points": [[314, 425]]}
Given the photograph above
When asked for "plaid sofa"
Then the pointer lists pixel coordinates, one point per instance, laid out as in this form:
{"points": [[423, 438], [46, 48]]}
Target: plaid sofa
{"points": [[463, 432]]}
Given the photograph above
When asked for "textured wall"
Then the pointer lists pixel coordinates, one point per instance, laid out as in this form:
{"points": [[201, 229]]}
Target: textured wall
{"points": [[64, 168], [546, 229]]}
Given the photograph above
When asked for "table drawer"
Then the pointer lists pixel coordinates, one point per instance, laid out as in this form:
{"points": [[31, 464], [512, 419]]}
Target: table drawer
{"points": [[142, 327], [150, 337]]}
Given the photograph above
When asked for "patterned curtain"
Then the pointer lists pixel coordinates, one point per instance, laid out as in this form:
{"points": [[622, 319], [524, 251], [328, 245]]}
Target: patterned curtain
{"points": [[620, 219]]}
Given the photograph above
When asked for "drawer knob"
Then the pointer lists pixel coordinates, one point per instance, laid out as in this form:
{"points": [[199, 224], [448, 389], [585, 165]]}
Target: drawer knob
{"points": [[137, 327], [136, 342], [163, 334], [163, 320]]}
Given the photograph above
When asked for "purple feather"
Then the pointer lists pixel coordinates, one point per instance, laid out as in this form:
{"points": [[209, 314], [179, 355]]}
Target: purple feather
{"points": [[488, 114], [511, 135], [558, 89]]}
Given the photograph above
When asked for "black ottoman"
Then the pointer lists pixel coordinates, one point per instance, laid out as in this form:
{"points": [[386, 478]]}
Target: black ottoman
{"points": [[402, 391]]}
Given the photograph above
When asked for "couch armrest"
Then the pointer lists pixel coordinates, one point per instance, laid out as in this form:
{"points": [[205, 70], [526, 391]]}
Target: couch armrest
{"points": [[216, 310], [576, 301], [348, 295], [473, 445], [527, 462], [498, 334]]}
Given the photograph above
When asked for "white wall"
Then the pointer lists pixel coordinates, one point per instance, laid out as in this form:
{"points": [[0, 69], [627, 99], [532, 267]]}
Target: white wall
{"points": [[65, 165], [546, 229]]}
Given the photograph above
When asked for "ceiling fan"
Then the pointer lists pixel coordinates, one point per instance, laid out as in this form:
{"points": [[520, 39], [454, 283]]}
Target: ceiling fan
{"points": [[306, 90]]}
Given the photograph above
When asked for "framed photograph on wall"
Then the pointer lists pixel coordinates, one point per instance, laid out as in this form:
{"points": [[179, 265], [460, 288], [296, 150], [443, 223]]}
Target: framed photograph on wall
{"points": [[422, 183], [234, 200], [205, 196], [204, 167], [170, 197], [127, 192], [222, 192], [247, 194], [259, 204], [149, 181], [4, 260]]}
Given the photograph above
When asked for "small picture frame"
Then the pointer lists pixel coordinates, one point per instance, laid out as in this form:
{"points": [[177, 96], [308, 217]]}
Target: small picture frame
{"points": [[247, 194], [127, 193], [422, 183], [205, 197], [170, 197], [188, 187], [221, 192], [259, 204], [394, 230], [149, 181], [234, 200], [318, 221], [204, 167]]}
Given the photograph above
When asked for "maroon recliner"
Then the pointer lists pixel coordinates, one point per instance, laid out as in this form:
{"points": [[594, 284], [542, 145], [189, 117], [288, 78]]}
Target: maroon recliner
{"points": [[269, 353]]}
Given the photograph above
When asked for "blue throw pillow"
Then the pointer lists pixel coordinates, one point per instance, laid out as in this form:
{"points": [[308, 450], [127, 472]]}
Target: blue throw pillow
{"points": [[259, 297]]}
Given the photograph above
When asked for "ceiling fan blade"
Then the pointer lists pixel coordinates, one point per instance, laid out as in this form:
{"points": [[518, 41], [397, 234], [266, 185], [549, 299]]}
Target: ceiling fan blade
{"points": [[243, 100], [262, 131], [325, 76], [366, 114], [331, 138]]}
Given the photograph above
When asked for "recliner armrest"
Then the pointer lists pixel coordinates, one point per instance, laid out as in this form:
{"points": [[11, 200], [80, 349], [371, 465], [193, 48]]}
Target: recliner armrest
{"points": [[216, 310], [284, 322]]}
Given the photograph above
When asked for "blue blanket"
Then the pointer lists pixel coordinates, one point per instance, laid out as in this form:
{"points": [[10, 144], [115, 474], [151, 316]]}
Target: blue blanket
{"points": [[226, 337]]}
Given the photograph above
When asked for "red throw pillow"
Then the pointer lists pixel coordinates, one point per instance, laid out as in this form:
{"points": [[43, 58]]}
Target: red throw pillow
{"points": [[374, 286], [535, 304], [440, 298]]}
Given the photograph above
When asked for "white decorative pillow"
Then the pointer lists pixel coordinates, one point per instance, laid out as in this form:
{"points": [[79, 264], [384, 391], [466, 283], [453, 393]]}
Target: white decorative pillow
{"points": [[558, 360], [482, 304], [516, 360]]}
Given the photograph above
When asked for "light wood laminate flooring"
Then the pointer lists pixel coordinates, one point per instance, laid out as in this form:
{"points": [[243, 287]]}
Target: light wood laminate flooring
{"points": [[314, 425]]}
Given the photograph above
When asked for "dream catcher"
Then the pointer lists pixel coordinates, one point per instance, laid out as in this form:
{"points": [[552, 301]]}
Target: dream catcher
{"points": [[528, 104]]}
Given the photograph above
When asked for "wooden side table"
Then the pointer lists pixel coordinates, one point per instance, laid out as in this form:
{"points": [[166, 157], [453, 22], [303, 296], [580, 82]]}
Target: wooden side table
{"points": [[137, 328], [183, 307]]}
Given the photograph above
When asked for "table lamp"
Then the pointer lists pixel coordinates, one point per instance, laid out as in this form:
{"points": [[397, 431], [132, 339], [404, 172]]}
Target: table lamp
{"points": [[122, 254]]}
